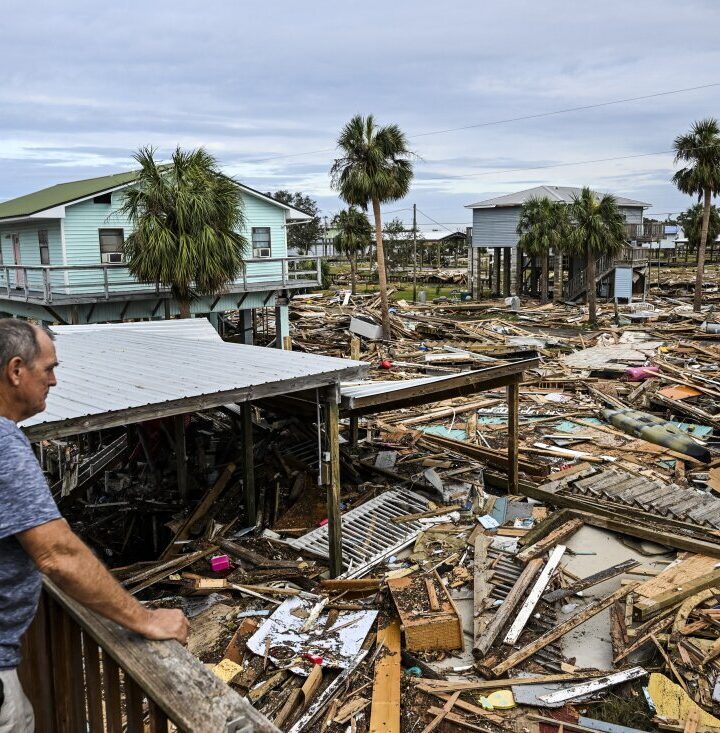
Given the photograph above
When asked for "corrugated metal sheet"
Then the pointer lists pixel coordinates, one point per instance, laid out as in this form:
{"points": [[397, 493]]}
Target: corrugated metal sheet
{"points": [[623, 282], [564, 194], [495, 227], [106, 368]]}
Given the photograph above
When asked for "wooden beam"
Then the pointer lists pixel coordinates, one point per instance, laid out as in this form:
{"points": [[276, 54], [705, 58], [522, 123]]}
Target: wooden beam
{"points": [[591, 580], [248, 463], [385, 711], [648, 607], [440, 716], [538, 589], [560, 630], [481, 588], [505, 611], [513, 398], [332, 428], [181, 457], [558, 535]]}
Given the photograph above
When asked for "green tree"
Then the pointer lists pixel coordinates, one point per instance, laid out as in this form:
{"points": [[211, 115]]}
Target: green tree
{"points": [[691, 222], [187, 216], [598, 229], [700, 148], [395, 240], [353, 238], [542, 227], [375, 168], [301, 236]]}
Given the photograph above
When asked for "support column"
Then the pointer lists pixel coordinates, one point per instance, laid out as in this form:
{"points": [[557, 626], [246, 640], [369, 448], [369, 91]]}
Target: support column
{"points": [[506, 271], [515, 271], [332, 428], [558, 277], [214, 318], [513, 398], [496, 255], [181, 457], [282, 326], [245, 324], [248, 463]]}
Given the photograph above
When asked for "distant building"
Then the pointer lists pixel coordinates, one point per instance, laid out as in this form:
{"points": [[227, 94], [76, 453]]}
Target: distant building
{"points": [[495, 228]]}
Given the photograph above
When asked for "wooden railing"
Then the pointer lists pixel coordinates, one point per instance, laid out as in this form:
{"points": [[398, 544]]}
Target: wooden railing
{"points": [[57, 283], [653, 231], [84, 673], [634, 256]]}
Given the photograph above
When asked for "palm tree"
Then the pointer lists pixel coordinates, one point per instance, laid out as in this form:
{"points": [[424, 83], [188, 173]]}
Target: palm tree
{"points": [[542, 227], [375, 168], [598, 230], [353, 237], [701, 149], [187, 216], [691, 222]]}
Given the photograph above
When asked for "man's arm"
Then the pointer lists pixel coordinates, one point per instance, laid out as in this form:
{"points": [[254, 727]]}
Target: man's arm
{"points": [[61, 555]]}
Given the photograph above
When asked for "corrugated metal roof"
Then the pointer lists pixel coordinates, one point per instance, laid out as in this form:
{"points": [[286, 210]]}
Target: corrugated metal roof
{"points": [[564, 194], [121, 370]]}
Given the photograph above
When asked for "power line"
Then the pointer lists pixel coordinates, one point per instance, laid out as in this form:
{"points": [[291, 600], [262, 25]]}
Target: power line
{"points": [[507, 120]]}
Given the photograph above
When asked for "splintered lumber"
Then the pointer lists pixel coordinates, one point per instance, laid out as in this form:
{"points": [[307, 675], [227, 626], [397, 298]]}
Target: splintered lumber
{"points": [[560, 630], [583, 583], [440, 716], [457, 720], [506, 610], [199, 512], [357, 584], [682, 570], [644, 638], [481, 587], [586, 688], [648, 607], [548, 525], [154, 575], [430, 686], [468, 707], [330, 692], [534, 596], [385, 710], [558, 535], [687, 607]]}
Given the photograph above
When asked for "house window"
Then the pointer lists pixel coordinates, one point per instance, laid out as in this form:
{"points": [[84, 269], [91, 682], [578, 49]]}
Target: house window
{"points": [[111, 245], [44, 246], [261, 241]]}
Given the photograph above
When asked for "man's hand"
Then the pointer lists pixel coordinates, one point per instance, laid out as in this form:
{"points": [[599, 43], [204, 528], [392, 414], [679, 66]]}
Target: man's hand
{"points": [[166, 623], [61, 555]]}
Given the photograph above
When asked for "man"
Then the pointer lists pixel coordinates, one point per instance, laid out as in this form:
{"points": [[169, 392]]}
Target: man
{"points": [[34, 539]]}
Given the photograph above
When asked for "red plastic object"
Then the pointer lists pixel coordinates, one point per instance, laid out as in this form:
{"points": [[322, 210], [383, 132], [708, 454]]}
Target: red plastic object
{"points": [[637, 374], [386, 364], [322, 522], [314, 658], [220, 562]]}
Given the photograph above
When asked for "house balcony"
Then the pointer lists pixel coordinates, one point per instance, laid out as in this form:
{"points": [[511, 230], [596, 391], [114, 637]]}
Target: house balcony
{"points": [[648, 232], [74, 284]]}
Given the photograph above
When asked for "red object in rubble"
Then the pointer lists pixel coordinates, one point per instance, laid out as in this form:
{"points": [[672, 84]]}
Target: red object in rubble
{"points": [[386, 364], [314, 658]]}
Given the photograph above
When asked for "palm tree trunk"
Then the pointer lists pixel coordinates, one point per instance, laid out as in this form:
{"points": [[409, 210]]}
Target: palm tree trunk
{"points": [[382, 276], [184, 306], [545, 266], [353, 272], [557, 279], [591, 286], [700, 272]]}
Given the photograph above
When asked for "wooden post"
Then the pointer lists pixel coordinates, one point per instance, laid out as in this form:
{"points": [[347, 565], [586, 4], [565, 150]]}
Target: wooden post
{"points": [[181, 457], [354, 431], [332, 428], [248, 466], [513, 397]]}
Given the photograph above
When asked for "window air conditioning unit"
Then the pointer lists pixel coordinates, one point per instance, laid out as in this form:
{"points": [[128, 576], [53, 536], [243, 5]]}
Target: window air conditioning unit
{"points": [[263, 252], [113, 258]]}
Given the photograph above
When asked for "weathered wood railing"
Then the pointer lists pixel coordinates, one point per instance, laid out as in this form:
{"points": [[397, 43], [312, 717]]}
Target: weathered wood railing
{"points": [[84, 673]]}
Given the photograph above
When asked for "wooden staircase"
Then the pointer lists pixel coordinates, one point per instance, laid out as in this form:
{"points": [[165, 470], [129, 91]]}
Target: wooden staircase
{"points": [[577, 285]]}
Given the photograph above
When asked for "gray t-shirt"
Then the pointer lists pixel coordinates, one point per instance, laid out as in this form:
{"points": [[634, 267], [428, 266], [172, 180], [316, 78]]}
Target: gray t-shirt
{"points": [[25, 502]]}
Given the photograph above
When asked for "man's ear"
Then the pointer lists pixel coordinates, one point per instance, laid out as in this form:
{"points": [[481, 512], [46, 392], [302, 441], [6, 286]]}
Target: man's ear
{"points": [[13, 370]]}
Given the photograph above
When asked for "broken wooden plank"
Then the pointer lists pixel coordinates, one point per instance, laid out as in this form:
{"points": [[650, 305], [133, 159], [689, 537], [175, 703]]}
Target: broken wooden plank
{"points": [[385, 706], [534, 596], [481, 587], [586, 688], [440, 716], [648, 607], [558, 535], [594, 579], [504, 612], [560, 630]]}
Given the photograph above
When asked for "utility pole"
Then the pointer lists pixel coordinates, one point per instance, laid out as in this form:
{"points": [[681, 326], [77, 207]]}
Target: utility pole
{"points": [[414, 253]]}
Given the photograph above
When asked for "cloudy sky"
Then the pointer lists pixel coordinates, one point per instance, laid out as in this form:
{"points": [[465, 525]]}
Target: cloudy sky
{"points": [[267, 86]]}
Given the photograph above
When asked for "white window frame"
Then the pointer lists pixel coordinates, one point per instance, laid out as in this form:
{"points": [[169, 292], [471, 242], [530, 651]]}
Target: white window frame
{"points": [[108, 255], [44, 246], [263, 250]]}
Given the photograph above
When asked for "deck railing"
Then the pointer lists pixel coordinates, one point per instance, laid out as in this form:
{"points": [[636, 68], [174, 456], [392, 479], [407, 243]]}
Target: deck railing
{"points": [[634, 256], [84, 673], [53, 283]]}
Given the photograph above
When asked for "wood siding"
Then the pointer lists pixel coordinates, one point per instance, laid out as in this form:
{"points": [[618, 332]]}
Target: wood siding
{"points": [[30, 246]]}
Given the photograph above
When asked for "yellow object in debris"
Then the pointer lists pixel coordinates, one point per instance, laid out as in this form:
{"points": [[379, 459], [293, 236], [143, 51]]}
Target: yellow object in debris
{"points": [[502, 699], [227, 670], [672, 702]]}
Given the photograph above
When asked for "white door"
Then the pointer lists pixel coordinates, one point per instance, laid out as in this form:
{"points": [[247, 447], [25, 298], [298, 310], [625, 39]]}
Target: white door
{"points": [[19, 276]]}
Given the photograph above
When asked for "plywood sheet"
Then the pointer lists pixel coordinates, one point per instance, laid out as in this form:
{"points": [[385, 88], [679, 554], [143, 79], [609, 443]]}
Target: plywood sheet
{"points": [[688, 568]]}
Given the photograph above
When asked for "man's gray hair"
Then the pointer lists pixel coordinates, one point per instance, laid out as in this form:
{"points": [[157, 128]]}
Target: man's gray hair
{"points": [[19, 338]]}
